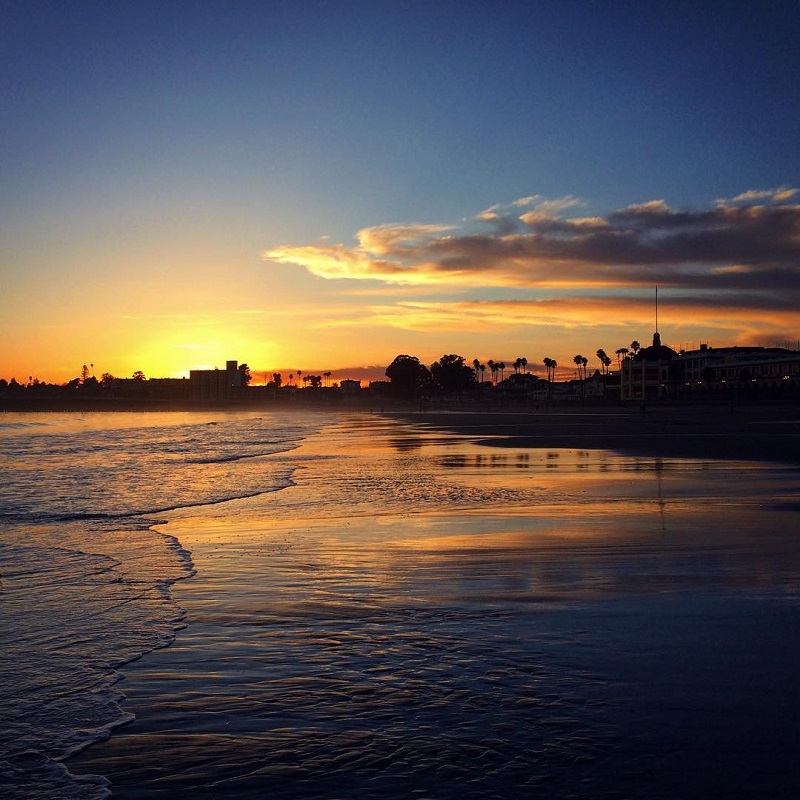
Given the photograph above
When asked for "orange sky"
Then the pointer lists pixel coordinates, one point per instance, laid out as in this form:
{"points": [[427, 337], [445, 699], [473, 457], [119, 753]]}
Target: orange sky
{"points": [[325, 191]]}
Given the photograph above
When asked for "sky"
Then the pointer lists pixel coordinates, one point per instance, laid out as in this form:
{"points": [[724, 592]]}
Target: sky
{"points": [[321, 186]]}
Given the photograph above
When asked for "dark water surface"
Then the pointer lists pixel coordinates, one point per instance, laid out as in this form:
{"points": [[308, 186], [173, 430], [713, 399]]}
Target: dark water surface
{"points": [[421, 616], [85, 582]]}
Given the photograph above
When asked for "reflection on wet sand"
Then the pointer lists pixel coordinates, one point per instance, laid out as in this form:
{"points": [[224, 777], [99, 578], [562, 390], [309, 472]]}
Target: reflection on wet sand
{"points": [[419, 614]]}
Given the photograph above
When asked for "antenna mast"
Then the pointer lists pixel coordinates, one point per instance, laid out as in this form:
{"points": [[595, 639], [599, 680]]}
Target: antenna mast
{"points": [[656, 309]]}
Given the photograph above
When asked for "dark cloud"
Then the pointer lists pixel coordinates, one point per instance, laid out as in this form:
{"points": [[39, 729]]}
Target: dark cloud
{"points": [[751, 243]]}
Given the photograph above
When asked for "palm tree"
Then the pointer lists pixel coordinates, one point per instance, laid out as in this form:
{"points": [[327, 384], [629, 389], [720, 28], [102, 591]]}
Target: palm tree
{"points": [[327, 376], [550, 366], [524, 362], [580, 363], [493, 370], [623, 351], [603, 359], [635, 347], [517, 365], [476, 365], [501, 366]]}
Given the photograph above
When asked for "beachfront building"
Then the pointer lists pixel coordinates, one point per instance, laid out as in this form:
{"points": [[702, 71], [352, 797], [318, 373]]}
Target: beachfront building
{"points": [[760, 369], [348, 386], [648, 374], [216, 385], [659, 372]]}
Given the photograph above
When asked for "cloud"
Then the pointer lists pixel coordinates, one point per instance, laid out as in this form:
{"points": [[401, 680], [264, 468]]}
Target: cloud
{"points": [[751, 243], [753, 195], [567, 313]]}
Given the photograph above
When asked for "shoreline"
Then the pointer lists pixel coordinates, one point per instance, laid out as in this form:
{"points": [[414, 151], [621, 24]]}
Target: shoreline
{"points": [[743, 433], [493, 620]]}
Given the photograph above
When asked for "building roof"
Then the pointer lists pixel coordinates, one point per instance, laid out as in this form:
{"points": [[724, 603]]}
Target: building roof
{"points": [[656, 351]]}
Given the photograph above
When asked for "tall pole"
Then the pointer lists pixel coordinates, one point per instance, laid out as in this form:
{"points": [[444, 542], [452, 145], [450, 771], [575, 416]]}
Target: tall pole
{"points": [[656, 309]]}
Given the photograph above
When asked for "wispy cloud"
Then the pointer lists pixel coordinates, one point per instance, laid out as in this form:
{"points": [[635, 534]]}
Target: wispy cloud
{"points": [[748, 243], [537, 265]]}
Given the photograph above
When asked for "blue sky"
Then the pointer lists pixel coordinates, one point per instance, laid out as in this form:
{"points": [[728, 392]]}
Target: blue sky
{"points": [[153, 152]]}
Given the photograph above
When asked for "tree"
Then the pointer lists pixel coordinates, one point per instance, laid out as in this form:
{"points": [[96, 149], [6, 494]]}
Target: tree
{"points": [[550, 365], [84, 372], [621, 353], [327, 376], [138, 375], [277, 379], [244, 371], [502, 367], [493, 370], [578, 361], [476, 365], [635, 347], [409, 378], [517, 365], [451, 374], [106, 379], [603, 359], [524, 363]]}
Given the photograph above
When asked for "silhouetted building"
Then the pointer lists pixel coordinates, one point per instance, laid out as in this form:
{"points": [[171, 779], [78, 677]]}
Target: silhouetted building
{"points": [[348, 386], [659, 372], [646, 375], [216, 385]]}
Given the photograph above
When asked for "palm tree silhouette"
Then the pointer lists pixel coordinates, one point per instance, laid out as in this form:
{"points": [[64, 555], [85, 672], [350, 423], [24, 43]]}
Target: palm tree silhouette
{"points": [[550, 364], [493, 370], [501, 366], [623, 351], [476, 365], [635, 347], [524, 362]]}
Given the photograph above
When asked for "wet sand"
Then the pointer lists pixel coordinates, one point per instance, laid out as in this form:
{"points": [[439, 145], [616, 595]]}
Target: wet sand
{"points": [[753, 433], [422, 615]]}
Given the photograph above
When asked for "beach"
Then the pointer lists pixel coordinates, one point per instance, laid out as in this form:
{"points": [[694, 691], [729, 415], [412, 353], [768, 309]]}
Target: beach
{"points": [[485, 605], [746, 432]]}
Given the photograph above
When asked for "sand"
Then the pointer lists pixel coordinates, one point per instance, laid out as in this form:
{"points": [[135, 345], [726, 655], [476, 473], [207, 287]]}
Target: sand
{"points": [[755, 433], [425, 615]]}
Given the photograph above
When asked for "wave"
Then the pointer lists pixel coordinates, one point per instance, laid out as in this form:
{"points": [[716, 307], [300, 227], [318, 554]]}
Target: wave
{"points": [[86, 579], [133, 516]]}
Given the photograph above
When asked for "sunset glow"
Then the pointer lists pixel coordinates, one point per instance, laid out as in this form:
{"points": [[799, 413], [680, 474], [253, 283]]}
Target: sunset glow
{"points": [[275, 187]]}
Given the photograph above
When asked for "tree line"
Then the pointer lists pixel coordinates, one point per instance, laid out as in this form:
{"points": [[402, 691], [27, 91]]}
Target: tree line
{"points": [[451, 374]]}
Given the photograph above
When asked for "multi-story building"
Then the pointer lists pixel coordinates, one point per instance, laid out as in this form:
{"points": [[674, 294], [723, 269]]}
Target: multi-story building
{"points": [[216, 385], [660, 372]]}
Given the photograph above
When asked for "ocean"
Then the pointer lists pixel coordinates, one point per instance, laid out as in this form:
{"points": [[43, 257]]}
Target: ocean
{"points": [[331, 605]]}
